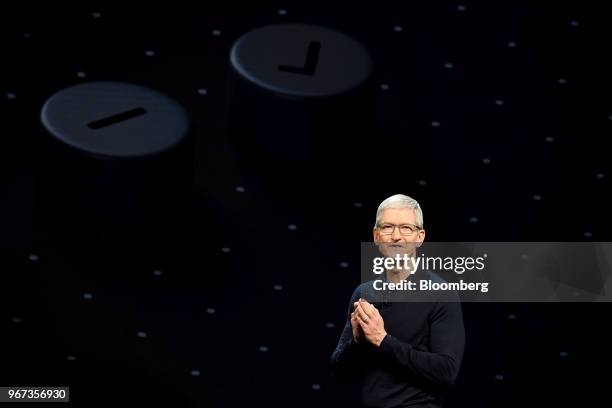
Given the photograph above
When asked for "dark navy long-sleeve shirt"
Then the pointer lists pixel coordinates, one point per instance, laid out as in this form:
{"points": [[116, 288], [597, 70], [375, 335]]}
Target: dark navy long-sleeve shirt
{"points": [[417, 360]]}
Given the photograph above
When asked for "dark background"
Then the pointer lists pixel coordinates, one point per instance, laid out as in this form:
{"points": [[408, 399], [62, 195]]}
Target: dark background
{"points": [[233, 291]]}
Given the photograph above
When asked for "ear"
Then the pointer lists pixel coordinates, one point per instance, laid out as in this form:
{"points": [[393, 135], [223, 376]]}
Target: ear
{"points": [[375, 234], [421, 238]]}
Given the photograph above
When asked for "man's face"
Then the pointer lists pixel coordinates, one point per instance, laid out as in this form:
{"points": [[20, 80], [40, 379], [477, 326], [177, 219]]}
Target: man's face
{"points": [[393, 232]]}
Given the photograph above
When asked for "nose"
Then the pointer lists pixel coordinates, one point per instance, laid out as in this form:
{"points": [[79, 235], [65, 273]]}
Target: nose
{"points": [[396, 236]]}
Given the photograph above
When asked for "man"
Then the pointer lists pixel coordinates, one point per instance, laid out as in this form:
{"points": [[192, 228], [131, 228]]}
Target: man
{"points": [[402, 354]]}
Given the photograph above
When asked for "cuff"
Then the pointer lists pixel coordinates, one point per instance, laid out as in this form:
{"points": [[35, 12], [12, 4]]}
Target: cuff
{"points": [[390, 343]]}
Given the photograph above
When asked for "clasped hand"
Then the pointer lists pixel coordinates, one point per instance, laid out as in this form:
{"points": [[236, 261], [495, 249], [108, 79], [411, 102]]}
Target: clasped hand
{"points": [[367, 324]]}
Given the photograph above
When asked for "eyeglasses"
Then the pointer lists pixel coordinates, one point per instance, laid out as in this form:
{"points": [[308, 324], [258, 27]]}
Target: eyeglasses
{"points": [[405, 229]]}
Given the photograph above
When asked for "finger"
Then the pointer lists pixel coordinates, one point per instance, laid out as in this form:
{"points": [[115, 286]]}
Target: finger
{"points": [[365, 304], [366, 307], [373, 310], [361, 322], [370, 309], [362, 314]]}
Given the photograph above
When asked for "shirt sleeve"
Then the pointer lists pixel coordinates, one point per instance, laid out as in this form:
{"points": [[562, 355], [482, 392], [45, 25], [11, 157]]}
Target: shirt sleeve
{"points": [[441, 364], [345, 356]]}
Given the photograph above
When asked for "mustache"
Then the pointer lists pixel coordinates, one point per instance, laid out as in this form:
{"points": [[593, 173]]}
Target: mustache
{"points": [[399, 245]]}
